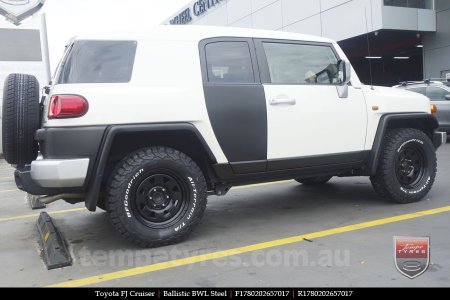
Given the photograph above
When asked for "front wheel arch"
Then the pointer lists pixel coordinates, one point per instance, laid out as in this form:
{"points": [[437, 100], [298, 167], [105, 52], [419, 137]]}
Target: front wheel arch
{"points": [[424, 122]]}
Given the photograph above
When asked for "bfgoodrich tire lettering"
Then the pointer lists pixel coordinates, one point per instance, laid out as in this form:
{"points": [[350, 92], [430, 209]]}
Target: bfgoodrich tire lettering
{"points": [[407, 166], [156, 196], [20, 118]]}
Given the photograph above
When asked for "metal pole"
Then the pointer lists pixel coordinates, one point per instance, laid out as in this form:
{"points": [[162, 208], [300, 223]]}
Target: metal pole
{"points": [[44, 46]]}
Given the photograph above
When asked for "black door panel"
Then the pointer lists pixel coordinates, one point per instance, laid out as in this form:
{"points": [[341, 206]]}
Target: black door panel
{"points": [[235, 100], [238, 116]]}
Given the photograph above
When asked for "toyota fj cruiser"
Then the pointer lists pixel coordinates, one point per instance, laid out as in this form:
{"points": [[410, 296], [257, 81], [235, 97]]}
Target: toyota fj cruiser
{"points": [[145, 126]]}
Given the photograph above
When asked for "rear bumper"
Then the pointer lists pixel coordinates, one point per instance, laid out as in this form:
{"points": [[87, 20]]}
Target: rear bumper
{"points": [[439, 138], [26, 184], [69, 154], [52, 176], [59, 173]]}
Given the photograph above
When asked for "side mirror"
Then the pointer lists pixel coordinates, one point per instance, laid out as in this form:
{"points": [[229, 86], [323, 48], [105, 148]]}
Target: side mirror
{"points": [[447, 97], [345, 71]]}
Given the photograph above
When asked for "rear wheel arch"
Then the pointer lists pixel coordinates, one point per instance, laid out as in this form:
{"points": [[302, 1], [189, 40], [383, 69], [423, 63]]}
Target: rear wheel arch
{"points": [[421, 121], [119, 141]]}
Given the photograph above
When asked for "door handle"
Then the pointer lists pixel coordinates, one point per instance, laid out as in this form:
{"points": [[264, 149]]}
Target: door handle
{"points": [[278, 101]]}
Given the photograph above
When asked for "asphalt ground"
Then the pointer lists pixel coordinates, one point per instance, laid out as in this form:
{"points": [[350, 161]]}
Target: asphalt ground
{"points": [[279, 234]]}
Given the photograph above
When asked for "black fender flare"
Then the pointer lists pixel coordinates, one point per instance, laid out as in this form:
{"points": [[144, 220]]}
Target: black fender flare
{"points": [[96, 178], [423, 121]]}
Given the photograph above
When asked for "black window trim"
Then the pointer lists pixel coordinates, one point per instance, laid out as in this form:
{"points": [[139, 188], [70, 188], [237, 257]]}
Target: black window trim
{"points": [[203, 62], [264, 65], [60, 67]]}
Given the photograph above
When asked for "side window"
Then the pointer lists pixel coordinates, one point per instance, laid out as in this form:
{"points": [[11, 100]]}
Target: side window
{"points": [[420, 90], [229, 62], [301, 64], [436, 93], [99, 62]]}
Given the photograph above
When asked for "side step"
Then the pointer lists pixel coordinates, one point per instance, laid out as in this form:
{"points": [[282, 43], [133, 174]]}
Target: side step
{"points": [[54, 249]]}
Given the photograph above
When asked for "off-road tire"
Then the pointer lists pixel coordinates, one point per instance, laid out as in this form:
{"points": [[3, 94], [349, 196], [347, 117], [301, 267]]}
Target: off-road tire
{"points": [[138, 178], [407, 166]]}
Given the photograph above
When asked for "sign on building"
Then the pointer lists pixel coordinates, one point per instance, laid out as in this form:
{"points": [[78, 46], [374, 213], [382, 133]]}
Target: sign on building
{"points": [[16, 11], [197, 9]]}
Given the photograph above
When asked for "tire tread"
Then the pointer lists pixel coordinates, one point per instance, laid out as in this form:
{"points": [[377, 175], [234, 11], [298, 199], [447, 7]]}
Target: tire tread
{"points": [[380, 182], [20, 118], [119, 178]]}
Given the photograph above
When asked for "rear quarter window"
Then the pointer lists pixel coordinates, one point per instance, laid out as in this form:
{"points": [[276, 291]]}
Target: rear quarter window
{"points": [[99, 62]]}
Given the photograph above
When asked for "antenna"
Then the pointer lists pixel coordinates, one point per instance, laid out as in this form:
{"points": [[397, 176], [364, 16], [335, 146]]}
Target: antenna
{"points": [[368, 49]]}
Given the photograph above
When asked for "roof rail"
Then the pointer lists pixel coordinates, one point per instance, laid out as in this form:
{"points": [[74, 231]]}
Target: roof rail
{"points": [[439, 79], [425, 81], [405, 83]]}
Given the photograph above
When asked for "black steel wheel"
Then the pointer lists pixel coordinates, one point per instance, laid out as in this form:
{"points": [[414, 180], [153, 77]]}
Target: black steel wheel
{"points": [[410, 166], [160, 199]]}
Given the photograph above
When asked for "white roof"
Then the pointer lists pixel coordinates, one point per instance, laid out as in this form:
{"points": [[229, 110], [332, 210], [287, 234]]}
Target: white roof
{"points": [[197, 33]]}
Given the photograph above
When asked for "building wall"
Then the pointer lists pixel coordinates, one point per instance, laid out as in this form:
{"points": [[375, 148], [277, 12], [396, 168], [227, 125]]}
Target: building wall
{"points": [[437, 45], [336, 19]]}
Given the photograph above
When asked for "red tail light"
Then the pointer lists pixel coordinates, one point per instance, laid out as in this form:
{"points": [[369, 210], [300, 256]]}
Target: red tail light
{"points": [[67, 106]]}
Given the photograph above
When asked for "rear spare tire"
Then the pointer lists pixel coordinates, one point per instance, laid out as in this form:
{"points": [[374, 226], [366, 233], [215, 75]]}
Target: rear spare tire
{"points": [[20, 118]]}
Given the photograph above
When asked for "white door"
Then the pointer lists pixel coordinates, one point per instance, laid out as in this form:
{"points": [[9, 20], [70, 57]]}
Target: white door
{"points": [[306, 116]]}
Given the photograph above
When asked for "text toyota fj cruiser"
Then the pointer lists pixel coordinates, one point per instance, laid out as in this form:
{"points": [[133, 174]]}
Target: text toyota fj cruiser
{"points": [[145, 126]]}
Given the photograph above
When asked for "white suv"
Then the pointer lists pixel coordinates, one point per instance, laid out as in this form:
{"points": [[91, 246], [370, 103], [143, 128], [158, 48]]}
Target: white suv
{"points": [[146, 126]]}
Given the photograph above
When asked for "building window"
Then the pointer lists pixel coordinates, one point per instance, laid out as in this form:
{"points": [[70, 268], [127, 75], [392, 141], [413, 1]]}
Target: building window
{"points": [[445, 74], [229, 62], [20, 45], [301, 64], [424, 4]]}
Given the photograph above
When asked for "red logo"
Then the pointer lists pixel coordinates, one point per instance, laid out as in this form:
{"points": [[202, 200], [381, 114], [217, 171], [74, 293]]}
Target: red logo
{"points": [[412, 255]]}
